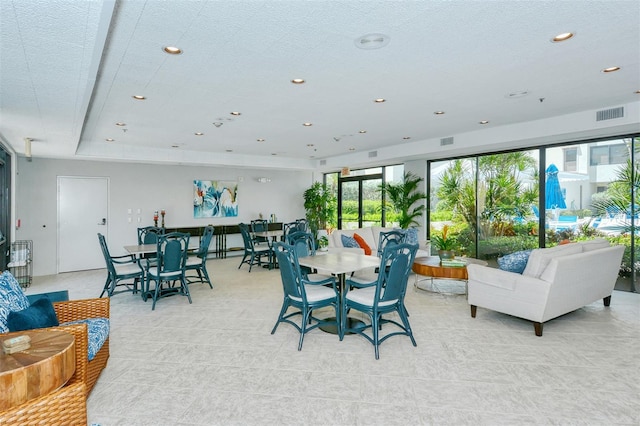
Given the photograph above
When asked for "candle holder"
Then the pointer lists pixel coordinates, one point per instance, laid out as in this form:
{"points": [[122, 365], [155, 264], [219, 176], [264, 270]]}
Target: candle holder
{"points": [[162, 213], [155, 218]]}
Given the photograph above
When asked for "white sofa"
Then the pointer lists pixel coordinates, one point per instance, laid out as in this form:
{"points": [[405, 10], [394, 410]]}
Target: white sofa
{"points": [[371, 235], [556, 281]]}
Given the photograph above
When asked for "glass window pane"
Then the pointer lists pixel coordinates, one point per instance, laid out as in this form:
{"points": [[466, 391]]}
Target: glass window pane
{"points": [[619, 154], [599, 155]]}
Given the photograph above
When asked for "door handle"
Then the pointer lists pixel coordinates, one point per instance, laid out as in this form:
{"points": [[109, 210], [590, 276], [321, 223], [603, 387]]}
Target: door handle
{"points": [[104, 221]]}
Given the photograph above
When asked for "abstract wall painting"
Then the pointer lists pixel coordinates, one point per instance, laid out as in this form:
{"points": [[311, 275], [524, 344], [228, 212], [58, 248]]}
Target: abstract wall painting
{"points": [[214, 198]]}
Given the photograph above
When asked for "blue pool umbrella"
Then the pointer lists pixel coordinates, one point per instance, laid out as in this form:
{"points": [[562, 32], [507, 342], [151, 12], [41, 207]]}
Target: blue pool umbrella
{"points": [[553, 192]]}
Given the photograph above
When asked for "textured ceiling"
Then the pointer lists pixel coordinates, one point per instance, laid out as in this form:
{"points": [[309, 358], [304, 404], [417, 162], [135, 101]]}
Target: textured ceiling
{"points": [[69, 69]]}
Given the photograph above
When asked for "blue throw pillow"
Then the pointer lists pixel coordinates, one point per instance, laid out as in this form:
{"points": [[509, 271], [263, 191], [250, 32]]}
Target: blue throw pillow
{"points": [[39, 315], [514, 262], [411, 236], [12, 298], [98, 331], [348, 241]]}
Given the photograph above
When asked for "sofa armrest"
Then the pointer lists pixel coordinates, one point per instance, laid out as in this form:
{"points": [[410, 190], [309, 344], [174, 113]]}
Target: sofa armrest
{"points": [[82, 309], [507, 292]]}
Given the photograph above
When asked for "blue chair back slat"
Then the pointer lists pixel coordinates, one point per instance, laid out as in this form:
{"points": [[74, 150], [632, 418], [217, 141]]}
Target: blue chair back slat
{"points": [[289, 270]]}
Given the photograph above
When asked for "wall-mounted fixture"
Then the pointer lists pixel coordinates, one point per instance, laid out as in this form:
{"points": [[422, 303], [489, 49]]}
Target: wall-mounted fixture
{"points": [[263, 180], [27, 148]]}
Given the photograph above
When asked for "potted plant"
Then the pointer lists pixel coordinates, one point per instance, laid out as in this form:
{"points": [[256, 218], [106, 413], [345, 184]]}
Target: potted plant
{"points": [[401, 198], [444, 243], [320, 205], [323, 243]]}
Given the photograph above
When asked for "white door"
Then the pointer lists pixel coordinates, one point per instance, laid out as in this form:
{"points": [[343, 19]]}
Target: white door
{"points": [[82, 213]]}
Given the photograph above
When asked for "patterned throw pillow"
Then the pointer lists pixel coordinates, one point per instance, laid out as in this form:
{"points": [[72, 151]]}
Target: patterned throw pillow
{"points": [[363, 244], [412, 236], [12, 299], [98, 330], [348, 241], [514, 262]]}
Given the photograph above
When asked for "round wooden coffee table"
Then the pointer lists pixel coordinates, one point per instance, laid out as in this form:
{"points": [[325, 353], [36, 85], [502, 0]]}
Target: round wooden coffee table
{"points": [[431, 268], [46, 366]]}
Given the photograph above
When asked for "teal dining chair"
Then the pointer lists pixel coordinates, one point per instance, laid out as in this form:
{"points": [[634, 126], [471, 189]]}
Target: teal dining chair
{"points": [[168, 269], [253, 253], [303, 294], [120, 269], [382, 297], [198, 260]]}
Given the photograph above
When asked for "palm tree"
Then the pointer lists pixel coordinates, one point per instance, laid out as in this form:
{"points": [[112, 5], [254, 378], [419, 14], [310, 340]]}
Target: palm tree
{"points": [[401, 198]]}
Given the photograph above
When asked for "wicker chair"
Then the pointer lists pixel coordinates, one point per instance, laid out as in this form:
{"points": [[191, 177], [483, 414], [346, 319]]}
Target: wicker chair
{"points": [[66, 406], [74, 310]]}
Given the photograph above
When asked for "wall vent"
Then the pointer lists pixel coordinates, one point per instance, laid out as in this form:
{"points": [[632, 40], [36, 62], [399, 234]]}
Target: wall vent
{"points": [[373, 154], [609, 114], [323, 162], [446, 141]]}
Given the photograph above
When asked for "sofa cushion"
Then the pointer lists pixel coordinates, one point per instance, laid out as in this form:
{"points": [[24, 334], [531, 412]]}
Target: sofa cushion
{"points": [[595, 244], [362, 243], [39, 315], [98, 330], [514, 262], [12, 298], [348, 241], [540, 258]]}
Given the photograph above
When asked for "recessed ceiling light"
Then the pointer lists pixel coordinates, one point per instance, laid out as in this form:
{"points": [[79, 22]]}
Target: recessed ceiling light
{"points": [[228, 150], [109, 139], [611, 69], [379, 100], [372, 41], [121, 124], [298, 81], [406, 137], [175, 146], [235, 113], [260, 140], [362, 131], [518, 94], [273, 153], [637, 92], [484, 122], [352, 149], [198, 133], [562, 37], [439, 112], [310, 145], [139, 97], [172, 50], [307, 124]]}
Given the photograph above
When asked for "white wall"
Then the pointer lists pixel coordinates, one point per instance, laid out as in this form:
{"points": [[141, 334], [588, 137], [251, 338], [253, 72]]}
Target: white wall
{"points": [[146, 187]]}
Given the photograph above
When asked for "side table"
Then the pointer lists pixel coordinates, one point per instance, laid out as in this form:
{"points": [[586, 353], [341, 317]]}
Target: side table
{"points": [[46, 366], [431, 268]]}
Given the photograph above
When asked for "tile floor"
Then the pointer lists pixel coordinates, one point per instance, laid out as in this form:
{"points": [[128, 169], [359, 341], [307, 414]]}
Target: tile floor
{"points": [[214, 362]]}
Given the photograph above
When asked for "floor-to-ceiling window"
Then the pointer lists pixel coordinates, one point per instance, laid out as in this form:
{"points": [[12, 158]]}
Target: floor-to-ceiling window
{"points": [[496, 204]]}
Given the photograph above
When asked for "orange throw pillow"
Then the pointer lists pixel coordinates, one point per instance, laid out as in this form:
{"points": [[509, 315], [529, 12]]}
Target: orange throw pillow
{"points": [[362, 243]]}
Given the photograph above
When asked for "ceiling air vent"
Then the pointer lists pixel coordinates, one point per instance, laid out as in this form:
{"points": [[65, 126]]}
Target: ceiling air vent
{"points": [[373, 154], [608, 114], [323, 162], [446, 141]]}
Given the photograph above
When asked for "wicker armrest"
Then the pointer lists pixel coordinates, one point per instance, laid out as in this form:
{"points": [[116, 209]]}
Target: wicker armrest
{"points": [[82, 309], [65, 406], [81, 335]]}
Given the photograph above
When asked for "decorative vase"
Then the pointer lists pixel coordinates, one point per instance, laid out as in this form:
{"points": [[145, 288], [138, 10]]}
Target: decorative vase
{"points": [[446, 254]]}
